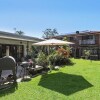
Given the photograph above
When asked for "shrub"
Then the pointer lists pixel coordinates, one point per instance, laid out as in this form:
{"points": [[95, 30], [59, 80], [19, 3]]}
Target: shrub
{"points": [[87, 53], [56, 58], [42, 59], [59, 58], [63, 52]]}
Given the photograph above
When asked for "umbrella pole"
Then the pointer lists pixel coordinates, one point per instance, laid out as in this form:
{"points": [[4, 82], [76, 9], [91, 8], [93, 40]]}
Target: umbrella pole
{"points": [[48, 49]]}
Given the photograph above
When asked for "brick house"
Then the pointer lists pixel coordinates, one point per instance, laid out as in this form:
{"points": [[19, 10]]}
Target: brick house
{"points": [[84, 40]]}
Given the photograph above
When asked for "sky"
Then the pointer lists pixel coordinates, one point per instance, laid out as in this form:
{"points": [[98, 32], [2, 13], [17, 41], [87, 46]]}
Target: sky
{"points": [[34, 16]]}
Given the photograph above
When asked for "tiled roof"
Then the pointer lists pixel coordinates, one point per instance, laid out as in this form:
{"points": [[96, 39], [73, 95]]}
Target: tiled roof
{"points": [[83, 32], [80, 33], [18, 37]]}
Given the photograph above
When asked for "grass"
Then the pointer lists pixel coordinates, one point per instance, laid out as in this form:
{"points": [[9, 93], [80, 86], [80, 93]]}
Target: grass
{"points": [[80, 81]]}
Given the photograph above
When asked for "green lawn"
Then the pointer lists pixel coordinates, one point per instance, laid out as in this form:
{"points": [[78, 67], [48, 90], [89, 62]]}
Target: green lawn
{"points": [[78, 82]]}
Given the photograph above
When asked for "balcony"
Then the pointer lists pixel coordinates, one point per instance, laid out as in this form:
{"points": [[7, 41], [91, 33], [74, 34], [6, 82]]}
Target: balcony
{"points": [[86, 42]]}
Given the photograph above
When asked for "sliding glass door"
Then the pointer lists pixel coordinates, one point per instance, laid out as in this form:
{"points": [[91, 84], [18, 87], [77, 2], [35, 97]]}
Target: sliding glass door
{"points": [[16, 51]]}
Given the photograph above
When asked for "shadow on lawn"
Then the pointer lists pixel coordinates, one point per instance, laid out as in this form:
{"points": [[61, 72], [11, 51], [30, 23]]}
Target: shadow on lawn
{"points": [[66, 84], [8, 89]]}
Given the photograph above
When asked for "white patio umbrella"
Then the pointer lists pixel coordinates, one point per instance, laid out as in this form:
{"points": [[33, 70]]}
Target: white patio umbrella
{"points": [[51, 42]]}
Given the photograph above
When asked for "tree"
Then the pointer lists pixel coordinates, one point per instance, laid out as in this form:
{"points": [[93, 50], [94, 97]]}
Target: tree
{"points": [[20, 32], [49, 33], [65, 39]]}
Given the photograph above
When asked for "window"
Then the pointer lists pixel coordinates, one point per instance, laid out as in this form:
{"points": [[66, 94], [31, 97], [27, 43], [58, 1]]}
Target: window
{"points": [[71, 38], [87, 37]]}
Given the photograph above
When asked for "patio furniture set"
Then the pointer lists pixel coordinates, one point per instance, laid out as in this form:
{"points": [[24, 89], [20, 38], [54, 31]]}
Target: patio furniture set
{"points": [[27, 68]]}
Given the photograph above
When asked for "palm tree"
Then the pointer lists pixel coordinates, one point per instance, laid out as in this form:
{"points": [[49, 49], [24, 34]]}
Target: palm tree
{"points": [[20, 32]]}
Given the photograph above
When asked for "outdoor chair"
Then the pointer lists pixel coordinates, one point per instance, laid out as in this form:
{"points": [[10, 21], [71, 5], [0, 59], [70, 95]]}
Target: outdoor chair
{"points": [[26, 66], [8, 63]]}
